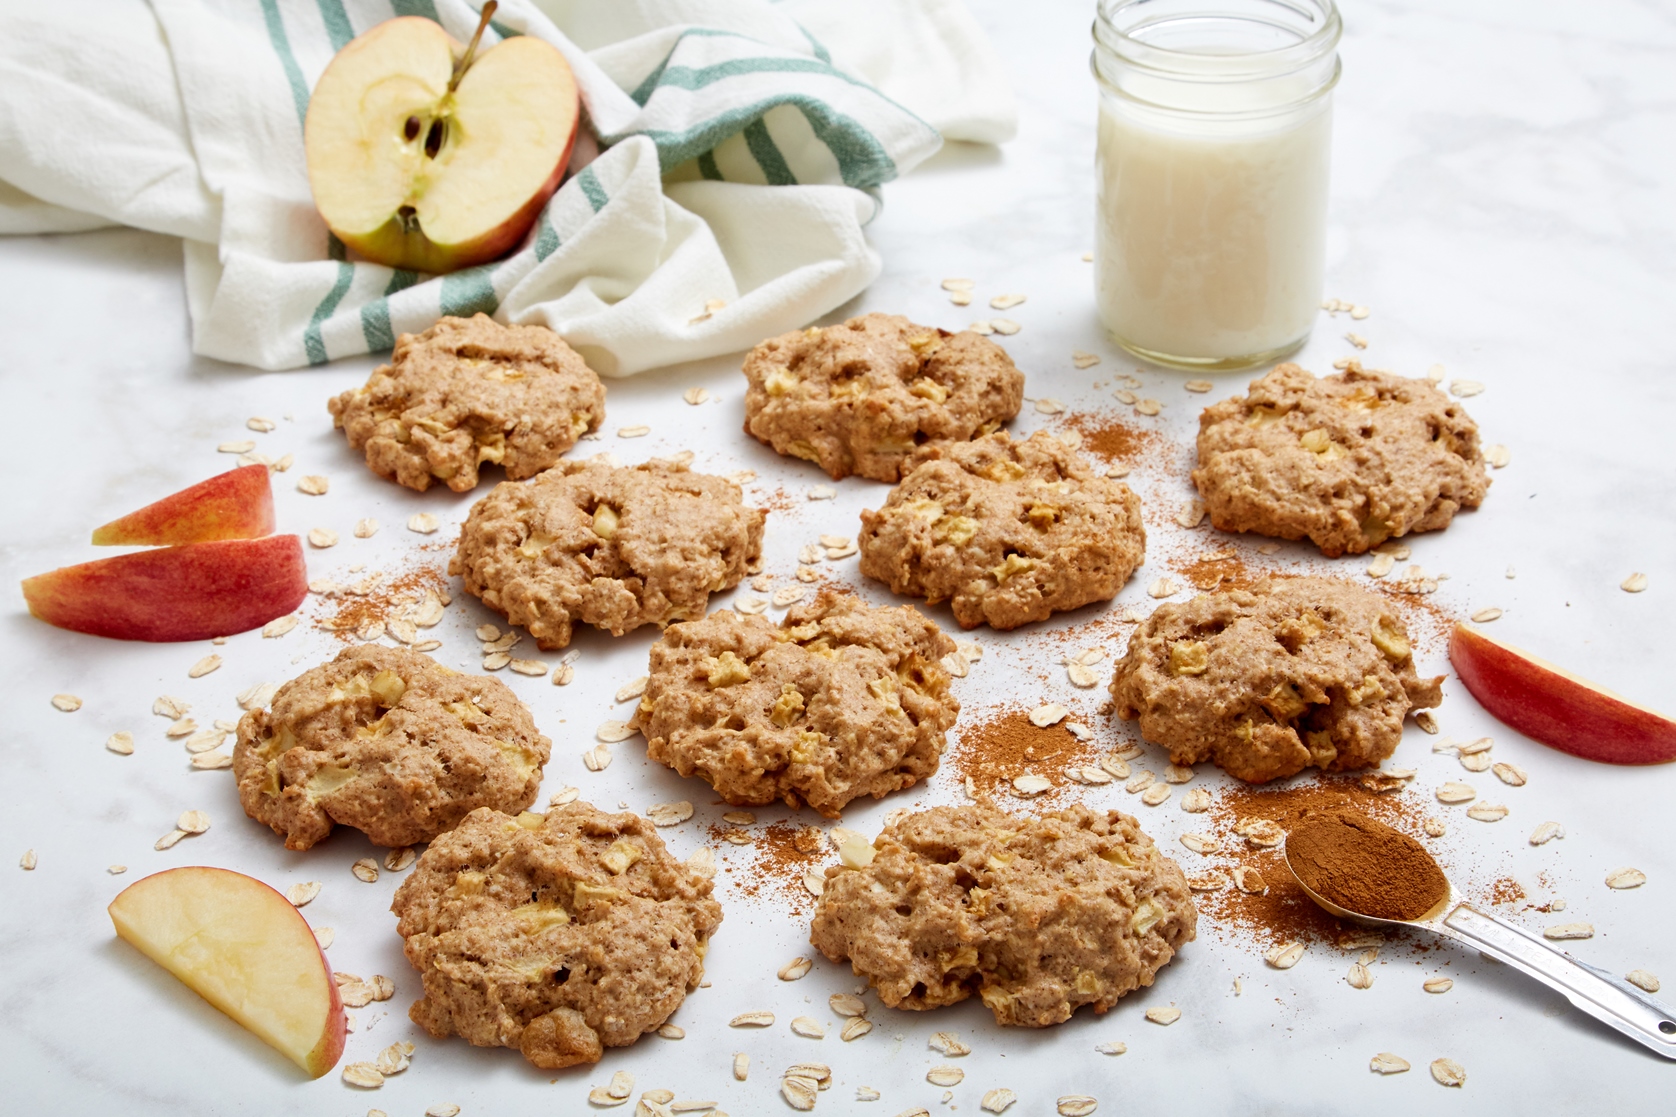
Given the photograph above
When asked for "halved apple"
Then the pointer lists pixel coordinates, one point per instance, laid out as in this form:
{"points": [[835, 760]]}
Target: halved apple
{"points": [[243, 948], [426, 158], [238, 504], [196, 591], [1550, 704]]}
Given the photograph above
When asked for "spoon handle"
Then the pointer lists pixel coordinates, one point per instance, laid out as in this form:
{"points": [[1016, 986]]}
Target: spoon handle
{"points": [[1596, 992]]}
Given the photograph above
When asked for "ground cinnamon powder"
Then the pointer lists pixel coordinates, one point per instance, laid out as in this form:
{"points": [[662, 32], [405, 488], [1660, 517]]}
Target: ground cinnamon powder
{"points": [[1007, 744], [1365, 866]]}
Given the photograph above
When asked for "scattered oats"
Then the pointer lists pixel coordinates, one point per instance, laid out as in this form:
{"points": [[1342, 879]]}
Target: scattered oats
{"points": [[1128, 752], [703, 862], [1635, 583], [613, 731], [1359, 976], [1192, 514], [172, 708], [1643, 979], [366, 528], [981, 327], [1082, 675], [1426, 722], [313, 484], [1156, 794], [121, 743], [639, 430], [1031, 784], [1381, 566], [564, 797], [1093, 775], [364, 1075], [1049, 406], [423, 523], [1077, 1105], [355, 994], [366, 869], [193, 822], [1357, 340], [203, 667], [563, 675], [855, 1028], [322, 537], [752, 606], [787, 595], [1485, 616], [948, 1043], [1124, 395], [1198, 385], [443, 1109], [1387, 1063], [866, 1093], [670, 814], [399, 858], [1167, 1015], [799, 1092], [532, 667], [1487, 812], [739, 818], [1207, 882], [28, 861], [1201, 843], [847, 1004], [1434, 827], [1476, 761], [958, 284], [1261, 832], [1448, 1072], [1177, 773], [945, 1076], [1249, 880], [1546, 832], [598, 758], [1148, 407], [395, 1058], [1510, 774], [212, 761], [737, 837], [814, 882], [494, 661], [956, 665], [794, 969], [243, 446], [1569, 931], [118, 870], [1005, 326], [1078, 730], [1438, 984], [1083, 359], [169, 840], [1498, 456], [1462, 389], [1626, 878], [998, 1100], [1051, 713], [325, 936], [1284, 956], [752, 1020], [1453, 792], [284, 463], [960, 298], [1162, 588], [279, 626], [1006, 302]]}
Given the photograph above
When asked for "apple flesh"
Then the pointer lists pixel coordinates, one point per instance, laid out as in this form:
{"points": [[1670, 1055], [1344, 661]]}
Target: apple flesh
{"points": [[196, 591], [243, 948], [416, 168], [1550, 704], [238, 504]]}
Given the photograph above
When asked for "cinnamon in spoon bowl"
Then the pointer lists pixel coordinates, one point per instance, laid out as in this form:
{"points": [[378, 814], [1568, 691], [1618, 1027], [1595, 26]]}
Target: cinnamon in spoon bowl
{"points": [[1364, 866]]}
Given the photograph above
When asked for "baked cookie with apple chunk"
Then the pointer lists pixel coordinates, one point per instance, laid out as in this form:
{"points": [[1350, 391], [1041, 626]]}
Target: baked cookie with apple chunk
{"points": [[1345, 461], [558, 935], [1290, 674], [861, 397], [839, 701], [389, 742], [611, 546], [1005, 531], [1038, 916], [469, 391]]}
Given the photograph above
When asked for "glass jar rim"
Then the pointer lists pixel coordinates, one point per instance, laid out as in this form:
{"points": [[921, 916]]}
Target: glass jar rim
{"points": [[1240, 66]]}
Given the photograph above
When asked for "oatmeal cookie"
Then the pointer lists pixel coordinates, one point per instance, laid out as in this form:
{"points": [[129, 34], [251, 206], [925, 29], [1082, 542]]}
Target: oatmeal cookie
{"points": [[840, 701], [469, 391], [1346, 461], [858, 398], [1007, 532], [389, 742], [1269, 681], [614, 547], [559, 935], [1038, 916]]}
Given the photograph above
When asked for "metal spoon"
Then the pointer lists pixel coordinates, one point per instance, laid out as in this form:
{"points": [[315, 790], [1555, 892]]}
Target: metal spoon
{"points": [[1608, 999]]}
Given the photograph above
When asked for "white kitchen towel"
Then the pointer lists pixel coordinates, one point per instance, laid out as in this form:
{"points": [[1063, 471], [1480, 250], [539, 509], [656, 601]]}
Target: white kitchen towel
{"points": [[745, 142]]}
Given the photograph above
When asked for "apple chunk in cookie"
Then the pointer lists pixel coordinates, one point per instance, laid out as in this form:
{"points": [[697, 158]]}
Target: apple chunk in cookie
{"points": [[469, 391], [558, 935], [389, 742], [431, 157]]}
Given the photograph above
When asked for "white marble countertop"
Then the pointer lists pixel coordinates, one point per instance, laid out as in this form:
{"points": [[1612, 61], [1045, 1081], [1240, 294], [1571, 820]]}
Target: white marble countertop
{"points": [[1505, 202]]}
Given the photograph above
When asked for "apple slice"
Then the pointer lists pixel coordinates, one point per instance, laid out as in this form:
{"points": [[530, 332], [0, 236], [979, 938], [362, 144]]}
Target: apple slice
{"points": [[196, 591], [1550, 704], [238, 504], [243, 948], [420, 162]]}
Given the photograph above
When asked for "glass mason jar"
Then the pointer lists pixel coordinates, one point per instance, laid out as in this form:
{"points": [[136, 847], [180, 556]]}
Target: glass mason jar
{"points": [[1214, 141]]}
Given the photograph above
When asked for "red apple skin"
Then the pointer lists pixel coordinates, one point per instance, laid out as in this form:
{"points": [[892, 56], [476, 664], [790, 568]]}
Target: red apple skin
{"points": [[1550, 704], [238, 504], [196, 591], [326, 1053]]}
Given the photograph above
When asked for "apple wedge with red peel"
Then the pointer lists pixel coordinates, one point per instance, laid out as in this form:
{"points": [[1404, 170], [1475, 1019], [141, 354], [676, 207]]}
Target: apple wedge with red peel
{"points": [[243, 948], [238, 504], [1550, 704], [424, 157], [196, 591]]}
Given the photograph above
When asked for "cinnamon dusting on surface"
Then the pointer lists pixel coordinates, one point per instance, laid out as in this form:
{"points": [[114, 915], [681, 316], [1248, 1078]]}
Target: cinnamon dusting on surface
{"points": [[1218, 570], [771, 867], [1007, 744], [346, 611], [1107, 436], [1506, 890]]}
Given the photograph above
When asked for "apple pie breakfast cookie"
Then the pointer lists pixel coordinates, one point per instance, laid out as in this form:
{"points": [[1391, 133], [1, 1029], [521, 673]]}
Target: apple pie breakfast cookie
{"points": [[1005, 531], [861, 396], [1037, 916], [389, 742], [469, 391], [1346, 461], [1269, 681], [840, 701], [559, 934], [611, 546]]}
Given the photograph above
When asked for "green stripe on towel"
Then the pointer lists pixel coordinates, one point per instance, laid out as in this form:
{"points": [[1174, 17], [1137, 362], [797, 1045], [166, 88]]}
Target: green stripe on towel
{"points": [[589, 182], [469, 292], [337, 23], [287, 62], [375, 316], [767, 154]]}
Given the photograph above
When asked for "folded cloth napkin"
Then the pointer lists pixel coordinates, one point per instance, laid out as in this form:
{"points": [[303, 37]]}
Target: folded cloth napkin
{"points": [[740, 147]]}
